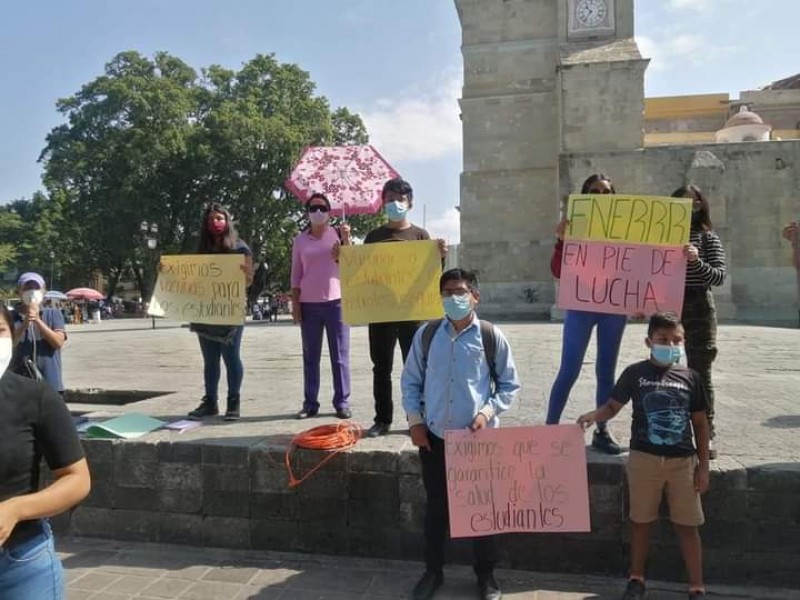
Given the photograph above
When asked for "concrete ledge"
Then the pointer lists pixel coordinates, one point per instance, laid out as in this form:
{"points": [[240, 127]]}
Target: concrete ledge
{"points": [[234, 494]]}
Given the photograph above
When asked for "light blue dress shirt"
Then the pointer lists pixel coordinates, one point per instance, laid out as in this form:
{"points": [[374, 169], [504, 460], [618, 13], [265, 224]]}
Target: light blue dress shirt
{"points": [[457, 384]]}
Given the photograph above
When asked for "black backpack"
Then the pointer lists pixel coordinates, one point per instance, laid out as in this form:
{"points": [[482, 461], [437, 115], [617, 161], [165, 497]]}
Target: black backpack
{"points": [[488, 338]]}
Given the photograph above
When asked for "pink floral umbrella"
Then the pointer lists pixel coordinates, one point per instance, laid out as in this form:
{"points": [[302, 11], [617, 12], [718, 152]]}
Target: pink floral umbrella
{"points": [[84, 294], [351, 177]]}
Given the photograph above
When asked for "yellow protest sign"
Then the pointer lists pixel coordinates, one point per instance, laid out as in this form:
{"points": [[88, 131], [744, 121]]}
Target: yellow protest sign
{"points": [[651, 220], [391, 281], [201, 288]]}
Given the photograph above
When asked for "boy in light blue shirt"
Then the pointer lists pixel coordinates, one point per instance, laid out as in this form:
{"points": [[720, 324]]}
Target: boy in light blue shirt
{"points": [[451, 385]]}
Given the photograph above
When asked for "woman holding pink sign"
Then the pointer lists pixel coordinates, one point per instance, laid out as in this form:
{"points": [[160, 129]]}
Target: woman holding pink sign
{"points": [[577, 332], [705, 268]]}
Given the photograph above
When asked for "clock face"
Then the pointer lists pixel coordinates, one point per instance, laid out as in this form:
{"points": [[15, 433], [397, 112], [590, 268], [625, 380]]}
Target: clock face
{"points": [[591, 13]]}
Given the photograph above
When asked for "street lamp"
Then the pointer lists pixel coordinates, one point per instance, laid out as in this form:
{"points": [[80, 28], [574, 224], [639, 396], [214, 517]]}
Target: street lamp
{"points": [[52, 267], [150, 236]]}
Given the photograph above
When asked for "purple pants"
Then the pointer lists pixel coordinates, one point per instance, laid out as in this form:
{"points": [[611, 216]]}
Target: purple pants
{"points": [[314, 317]]}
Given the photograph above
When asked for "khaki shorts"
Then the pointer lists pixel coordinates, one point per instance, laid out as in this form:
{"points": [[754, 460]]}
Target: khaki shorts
{"points": [[650, 475]]}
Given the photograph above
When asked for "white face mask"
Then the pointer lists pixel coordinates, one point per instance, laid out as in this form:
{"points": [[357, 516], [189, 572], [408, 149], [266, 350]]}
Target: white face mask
{"points": [[31, 296], [6, 350]]}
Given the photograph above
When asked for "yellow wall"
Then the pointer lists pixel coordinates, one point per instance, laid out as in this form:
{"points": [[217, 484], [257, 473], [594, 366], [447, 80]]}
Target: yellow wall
{"points": [[670, 107]]}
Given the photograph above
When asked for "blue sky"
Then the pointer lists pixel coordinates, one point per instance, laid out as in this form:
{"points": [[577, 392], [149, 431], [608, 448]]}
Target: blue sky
{"points": [[397, 63]]}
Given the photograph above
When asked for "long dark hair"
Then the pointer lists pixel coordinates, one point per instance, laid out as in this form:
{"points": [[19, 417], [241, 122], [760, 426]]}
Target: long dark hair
{"points": [[702, 218], [208, 240], [596, 177]]}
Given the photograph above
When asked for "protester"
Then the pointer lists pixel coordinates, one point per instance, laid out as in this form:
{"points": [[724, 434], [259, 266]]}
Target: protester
{"points": [[705, 268], [34, 423], [577, 331], [398, 199], [669, 448], [451, 384], [317, 306], [41, 333], [218, 236]]}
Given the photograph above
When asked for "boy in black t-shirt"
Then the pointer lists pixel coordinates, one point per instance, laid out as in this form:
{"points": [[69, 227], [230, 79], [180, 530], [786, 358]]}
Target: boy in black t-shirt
{"points": [[669, 417]]}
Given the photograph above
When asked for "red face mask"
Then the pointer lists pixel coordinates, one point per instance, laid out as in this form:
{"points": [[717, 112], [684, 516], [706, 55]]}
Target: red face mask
{"points": [[217, 227]]}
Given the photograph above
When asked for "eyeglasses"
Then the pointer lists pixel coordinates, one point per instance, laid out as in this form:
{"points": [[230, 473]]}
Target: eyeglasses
{"points": [[318, 208]]}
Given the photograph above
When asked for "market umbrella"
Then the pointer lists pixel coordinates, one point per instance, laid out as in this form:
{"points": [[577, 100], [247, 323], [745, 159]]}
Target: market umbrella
{"points": [[84, 294], [55, 295], [351, 177]]}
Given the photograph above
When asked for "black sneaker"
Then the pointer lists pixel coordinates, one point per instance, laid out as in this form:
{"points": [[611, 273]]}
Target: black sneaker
{"points": [[602, 441], [307, 413], [377, 430], [427, 585], [697, 594], [489, 588], [207, 408], [232, 412], [343, 413], [634, 591]]}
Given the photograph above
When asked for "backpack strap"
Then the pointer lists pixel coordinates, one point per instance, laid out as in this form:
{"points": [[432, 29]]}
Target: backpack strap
{"points": [[431, 327]]}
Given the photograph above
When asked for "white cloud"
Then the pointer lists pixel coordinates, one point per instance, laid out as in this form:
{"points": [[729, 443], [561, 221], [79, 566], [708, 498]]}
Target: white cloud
{"points": [[677, 50], [696, 5], [418, 127], [446, 226]]}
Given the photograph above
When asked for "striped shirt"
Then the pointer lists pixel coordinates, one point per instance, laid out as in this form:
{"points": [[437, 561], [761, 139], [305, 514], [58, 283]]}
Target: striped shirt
{"points": [[710, 269]]}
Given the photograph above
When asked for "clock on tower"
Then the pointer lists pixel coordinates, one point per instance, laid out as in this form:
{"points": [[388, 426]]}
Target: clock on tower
{"points": [[590, 19]]}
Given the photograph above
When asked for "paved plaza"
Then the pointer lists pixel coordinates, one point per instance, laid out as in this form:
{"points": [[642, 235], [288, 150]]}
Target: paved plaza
{"points": [[757, 375]]}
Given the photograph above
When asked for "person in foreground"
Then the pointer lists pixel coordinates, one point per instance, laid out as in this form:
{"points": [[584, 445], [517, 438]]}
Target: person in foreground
{"points": [[450, 384], [34, 422], [669, 448]]}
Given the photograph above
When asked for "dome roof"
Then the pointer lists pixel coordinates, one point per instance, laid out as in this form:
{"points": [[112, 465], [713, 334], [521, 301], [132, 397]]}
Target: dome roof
{"points": [[743, 117]]}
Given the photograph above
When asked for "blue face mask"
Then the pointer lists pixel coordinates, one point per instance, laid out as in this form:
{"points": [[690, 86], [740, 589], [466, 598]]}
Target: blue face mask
{"points": [[666, 355], [457, 307], [396, 211]]}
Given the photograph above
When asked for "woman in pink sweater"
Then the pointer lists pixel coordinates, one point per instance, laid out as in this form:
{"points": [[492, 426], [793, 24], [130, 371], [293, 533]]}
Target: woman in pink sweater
{"points": [[317, 305]]}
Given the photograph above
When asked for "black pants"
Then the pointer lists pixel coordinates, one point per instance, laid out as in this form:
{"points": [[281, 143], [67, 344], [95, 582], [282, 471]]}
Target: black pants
{"points": [[700, 330], [434, 476], [382, 339]]}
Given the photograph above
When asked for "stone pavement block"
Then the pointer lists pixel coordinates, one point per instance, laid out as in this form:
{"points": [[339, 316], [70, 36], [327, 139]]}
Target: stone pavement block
{"points": [[211, 590], [231, 574], [166, 587], [255, 593], [130, 584], [275, 577], [95, 581], [226, 532]]}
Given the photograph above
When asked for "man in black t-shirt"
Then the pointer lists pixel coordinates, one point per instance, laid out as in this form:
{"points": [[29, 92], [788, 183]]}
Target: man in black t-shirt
{"points": [[398, 198], [669, 417]]}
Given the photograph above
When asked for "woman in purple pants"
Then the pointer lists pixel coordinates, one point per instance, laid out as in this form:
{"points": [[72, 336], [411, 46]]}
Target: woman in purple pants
{"points": [[317, 305]]}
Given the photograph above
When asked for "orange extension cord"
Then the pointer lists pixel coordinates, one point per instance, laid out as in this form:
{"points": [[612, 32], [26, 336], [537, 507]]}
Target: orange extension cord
{"points": [[332, 438]]}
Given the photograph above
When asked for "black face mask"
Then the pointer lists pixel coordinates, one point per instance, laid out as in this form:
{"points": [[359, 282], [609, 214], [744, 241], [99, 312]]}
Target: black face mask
{"points": [[697, 220]]}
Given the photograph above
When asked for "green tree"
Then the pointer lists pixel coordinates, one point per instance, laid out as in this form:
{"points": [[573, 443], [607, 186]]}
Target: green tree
{"points": [[151, 140]]}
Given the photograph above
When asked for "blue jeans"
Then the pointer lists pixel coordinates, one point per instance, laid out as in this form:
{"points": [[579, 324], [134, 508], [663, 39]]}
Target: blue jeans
{"points": [[31, 570], [577, 331], [230, 353]]}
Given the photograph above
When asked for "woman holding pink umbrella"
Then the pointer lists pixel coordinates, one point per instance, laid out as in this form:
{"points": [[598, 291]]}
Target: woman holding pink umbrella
{"points": [[317, 306]]}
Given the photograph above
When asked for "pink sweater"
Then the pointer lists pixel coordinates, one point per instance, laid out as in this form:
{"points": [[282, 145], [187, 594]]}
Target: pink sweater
{"points": [[313, 269]]}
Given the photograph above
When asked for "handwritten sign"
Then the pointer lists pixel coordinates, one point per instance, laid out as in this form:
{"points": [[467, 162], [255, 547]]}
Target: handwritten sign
{"points": [[624, 254], [517, 479], [392, 281], [201, 288]]}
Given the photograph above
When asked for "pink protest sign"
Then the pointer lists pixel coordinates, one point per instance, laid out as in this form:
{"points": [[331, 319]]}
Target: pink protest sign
{"points": [[621, 279], [517, 479]]}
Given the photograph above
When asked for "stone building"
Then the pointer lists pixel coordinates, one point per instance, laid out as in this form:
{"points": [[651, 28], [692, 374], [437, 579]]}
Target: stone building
{"points": [[554, 91]]}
